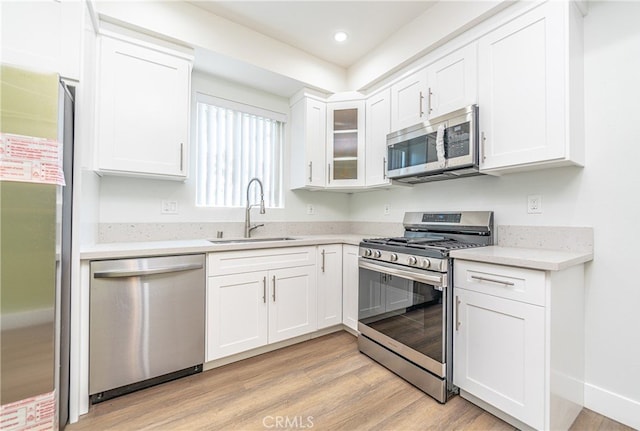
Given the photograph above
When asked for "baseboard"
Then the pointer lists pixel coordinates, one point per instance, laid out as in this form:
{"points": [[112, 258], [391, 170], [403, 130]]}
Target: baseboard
{"points": [[612, 405]]}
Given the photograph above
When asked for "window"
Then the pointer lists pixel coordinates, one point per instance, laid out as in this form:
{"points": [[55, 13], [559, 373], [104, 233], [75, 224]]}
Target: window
{"points": [[237, 142]]}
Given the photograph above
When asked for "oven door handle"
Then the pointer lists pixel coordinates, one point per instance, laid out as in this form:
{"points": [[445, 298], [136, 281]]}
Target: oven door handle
{"points": [[435, 279]]}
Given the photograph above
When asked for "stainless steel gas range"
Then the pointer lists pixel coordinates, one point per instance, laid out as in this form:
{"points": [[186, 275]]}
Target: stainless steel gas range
{"points": [[405, 316]]}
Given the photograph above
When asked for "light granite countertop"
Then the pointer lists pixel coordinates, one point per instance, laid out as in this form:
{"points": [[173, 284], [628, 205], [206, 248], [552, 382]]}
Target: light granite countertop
{"points": [[118, 250], [533, 258]]}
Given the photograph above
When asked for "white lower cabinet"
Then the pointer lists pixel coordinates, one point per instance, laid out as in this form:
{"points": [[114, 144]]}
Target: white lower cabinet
{"points": [[292, 306], [236, 314], [519, 342], [249, 306], [350, 286], [500, 353], [329, 269]]}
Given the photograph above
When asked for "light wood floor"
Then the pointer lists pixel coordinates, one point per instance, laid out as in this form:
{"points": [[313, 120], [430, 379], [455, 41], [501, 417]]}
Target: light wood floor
{"points": [[322, 384]]}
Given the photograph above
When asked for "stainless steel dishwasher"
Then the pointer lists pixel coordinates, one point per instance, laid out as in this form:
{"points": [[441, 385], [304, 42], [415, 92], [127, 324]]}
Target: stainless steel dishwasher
{"points": [[147, 320]]}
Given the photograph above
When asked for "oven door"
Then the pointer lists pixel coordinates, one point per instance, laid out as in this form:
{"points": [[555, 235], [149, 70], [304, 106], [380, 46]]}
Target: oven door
{"points": [[404, 310]]}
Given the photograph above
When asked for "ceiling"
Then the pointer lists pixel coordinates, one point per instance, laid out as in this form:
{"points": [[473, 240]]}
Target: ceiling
{"points": [[310, 25]]}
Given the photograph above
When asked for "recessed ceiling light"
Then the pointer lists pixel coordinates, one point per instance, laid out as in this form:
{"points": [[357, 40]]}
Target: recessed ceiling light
{"points": [[340, 36]]}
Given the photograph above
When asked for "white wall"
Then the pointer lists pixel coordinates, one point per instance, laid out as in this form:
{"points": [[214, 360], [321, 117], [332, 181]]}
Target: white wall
{"points": [[126, 200], [604, 195]]}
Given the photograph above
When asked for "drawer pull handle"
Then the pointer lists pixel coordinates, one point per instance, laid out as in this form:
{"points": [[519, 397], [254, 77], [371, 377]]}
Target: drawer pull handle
{"points": [[491, 280]]}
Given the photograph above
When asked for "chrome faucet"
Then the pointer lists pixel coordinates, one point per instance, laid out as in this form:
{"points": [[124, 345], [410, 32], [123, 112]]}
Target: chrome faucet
{"points": [[247, 217]]}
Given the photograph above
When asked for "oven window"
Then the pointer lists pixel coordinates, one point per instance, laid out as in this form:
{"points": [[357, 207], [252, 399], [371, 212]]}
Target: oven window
{"points": [[413, 152], [406, 311]]}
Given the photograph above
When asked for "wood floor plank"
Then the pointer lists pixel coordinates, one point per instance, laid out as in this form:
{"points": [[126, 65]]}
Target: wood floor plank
{"points": [[321, 384]]}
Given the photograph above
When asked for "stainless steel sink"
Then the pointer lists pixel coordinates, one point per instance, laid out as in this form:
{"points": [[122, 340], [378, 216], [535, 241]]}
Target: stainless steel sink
{"points": [[249, 240]]}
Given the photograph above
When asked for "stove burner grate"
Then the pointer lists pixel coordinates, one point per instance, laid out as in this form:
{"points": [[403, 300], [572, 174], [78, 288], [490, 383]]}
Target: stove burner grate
{"points": [[439, 243]]}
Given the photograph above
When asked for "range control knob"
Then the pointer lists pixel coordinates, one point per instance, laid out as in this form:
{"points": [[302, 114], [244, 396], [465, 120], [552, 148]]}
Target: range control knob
{"points": [[426, 263], [367, 252], [393, 257], [377, 254], [412, 260]]}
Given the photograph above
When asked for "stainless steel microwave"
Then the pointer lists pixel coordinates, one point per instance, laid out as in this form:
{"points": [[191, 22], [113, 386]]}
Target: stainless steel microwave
{"points": [[443, 148]]}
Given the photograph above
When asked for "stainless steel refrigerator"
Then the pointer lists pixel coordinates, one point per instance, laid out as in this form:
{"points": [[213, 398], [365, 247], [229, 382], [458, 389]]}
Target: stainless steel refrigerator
{"points": [[36, 123]]}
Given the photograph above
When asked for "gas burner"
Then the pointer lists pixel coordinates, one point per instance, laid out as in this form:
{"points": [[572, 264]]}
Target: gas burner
{"points": [[432, 235]]}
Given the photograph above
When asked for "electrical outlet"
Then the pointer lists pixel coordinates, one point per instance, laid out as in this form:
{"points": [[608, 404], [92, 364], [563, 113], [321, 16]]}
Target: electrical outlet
{"points": [[310, 209], [387, 209], [534, 204], [169, 207]]}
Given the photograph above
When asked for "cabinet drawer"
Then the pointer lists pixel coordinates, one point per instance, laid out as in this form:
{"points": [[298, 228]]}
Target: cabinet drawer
{"points": [[519, 284], [240, 261]]}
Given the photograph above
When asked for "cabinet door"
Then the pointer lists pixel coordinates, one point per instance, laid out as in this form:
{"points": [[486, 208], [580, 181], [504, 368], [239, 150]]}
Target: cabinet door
{"points": [[378, 125], [143, 110], [308, 143], [407, 100], [236, 313], [499, 347], [329, 268], [350, 286], [292, 307], [521, 90], [452, 82], [345, 147]]}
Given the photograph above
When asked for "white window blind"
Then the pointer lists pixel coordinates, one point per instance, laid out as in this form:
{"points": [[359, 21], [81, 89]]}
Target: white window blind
{"points": [[236, 143]]}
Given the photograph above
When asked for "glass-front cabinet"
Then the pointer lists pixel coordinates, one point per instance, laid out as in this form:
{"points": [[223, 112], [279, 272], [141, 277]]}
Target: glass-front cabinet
{"points": [[345, 149]]}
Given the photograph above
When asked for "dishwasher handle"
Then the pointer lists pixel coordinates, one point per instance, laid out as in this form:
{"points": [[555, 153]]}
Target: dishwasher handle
{"points": [[151, 271]]}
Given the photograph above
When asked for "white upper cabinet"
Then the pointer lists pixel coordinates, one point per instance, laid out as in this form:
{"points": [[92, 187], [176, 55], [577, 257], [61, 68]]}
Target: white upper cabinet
{"points": [[378, 125], [407, 100], [143, 110], [308, 143], [345, 146], [443, 86], [530, 90], [452, 82]]}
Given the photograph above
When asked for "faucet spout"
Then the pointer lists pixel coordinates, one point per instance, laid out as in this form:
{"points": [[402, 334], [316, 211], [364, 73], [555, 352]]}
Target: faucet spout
{"points": [[247, 219]]}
